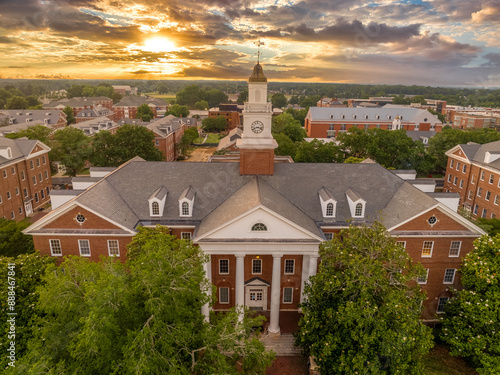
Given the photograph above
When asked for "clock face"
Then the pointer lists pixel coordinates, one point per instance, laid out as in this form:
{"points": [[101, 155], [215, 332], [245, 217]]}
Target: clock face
{"points": [[257, 127]]}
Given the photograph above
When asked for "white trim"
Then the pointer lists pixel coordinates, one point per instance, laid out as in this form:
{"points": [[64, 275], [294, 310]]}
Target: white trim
{"points": [[437, 307], [284, 267], [422, 251], [109, 249], [426, 278], [452, 279], [228, 270], [450, 152], [189, 237], [80, 248], [79, 234], [459, 248], [257, 273], [220, 300]]}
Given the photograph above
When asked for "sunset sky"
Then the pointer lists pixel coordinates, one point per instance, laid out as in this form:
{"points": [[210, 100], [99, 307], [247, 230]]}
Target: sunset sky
{"points": [[436, 42]]}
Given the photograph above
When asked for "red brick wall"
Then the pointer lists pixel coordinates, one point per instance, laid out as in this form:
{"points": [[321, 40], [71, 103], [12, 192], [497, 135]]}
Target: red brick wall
{"points": [[444, 223], [259, 162], [68, 221], [224, 280], [454, 185]]}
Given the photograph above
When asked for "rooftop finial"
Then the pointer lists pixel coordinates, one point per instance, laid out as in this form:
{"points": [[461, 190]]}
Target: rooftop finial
{"points": [[258, 44]]}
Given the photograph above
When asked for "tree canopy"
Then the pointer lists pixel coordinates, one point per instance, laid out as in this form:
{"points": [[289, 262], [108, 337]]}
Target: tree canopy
{"points": [[179, 110], [12, 240], [38, 132], [279, 100], [110, 150], [70, 117], [214, 124], [288, 125], [472, 321], [362, 309], [17, 102], [191, 94], [145, 113], [142, 317], [71, 148]]}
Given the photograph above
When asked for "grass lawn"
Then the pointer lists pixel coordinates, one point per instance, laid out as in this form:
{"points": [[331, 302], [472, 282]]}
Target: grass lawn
{"points": [[212, 138], [440, 362]]}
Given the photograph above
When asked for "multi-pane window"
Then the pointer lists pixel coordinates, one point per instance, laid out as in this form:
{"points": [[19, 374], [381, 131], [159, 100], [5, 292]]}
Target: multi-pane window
{"points": [[455, 179], [328, 236], [423, 279], [25, 192], [0, 199], [185, 209], [449, 178], [287, 295], [31, 164], [155, 208], [84, 246], [464, 169], [113, 248], [37, 162], [20, 210], [427, 248], [473, 178], [259, 227], [55, 247], [13, 170], [455, 248], [479, 191], [36, 198], [458, 165], [40, 177], [476, 208], [17, 191], [12, 215], [186, 235], [488, 195], [329, 209], [470, 195], [401, 243], [23, 175], [48, 190], [4, 173], [451, 163], [44, 160], [359, 210], [46, 174], [483, 173], [257, 266], [441, 304], [497, 198], [223, 266], [484, 212], [461, 184], [449, 276], [42, 193], [223, 295], [34, 180], [492, 177], [289, 266]]}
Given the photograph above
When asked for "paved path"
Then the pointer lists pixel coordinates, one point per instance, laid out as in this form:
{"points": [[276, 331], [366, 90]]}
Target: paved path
{"points": [[282, 345]]}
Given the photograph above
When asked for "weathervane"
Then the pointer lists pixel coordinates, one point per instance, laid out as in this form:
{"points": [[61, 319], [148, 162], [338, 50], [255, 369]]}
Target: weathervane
{"points": [[258, 44]]}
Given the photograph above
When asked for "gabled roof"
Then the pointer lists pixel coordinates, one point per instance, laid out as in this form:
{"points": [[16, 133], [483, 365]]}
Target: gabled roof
{"points": [[408, 114], [20, 147], [136, 101]]}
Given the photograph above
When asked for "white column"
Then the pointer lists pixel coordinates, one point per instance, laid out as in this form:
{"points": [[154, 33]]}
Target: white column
{"points": [[240, 281], [305, 275], [274, 324], [205, 309], [313, 265]]}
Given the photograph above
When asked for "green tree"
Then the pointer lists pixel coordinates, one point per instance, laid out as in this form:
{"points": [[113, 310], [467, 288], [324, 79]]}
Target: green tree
{"points": [[362, 314], [179, 111], [354, 143], [38, 132], [16, 102], [294, 99], [12, 240], [109, 150], [279, 100], [88, 91], [201, 105], [71, 148], [286, 147], [298, 114], [162, 88], [27, 272], [144, 112], [142, 317], [214, 97], [353, 160], [317, 151], [472, 321], [190, 134], [288, 125], [32, 101], [242, 97], [309, 101], [211, 124], [4, 96], [70, 117], [189, 95]]}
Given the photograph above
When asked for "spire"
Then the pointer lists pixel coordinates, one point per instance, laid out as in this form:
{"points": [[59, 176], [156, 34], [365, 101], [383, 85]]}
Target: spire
{"points": [[258, 73]]}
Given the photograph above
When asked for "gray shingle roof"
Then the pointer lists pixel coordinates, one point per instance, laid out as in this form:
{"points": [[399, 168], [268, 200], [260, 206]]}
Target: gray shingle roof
{"points": [[409, 114], [20, 147], [488, 147], [470, 150], [136, 101]]}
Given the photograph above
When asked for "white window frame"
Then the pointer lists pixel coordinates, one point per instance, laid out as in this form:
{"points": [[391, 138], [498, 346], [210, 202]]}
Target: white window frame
{"points": [[488, 195], [483, 213], [446, 275], [291, 295], [293, 267], [328, 236], [432, 249], [117, 248], [479, 191], [53, 245], [461, 185], [452, 248], [155, 208], [482, 176], [441, 311], [458, 166], [220, 296], [32, 165], [254, 261], [451, 163], [82, 242], [401, 243], [497, 199], [449, 177], [23, 176], [492, 178], [357, 205], [469, 196], [464, 168], [421, 281], [455, 179], [220, 266], [186, 235]]}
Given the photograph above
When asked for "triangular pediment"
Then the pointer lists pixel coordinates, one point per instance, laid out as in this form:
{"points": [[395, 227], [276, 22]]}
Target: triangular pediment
{"points": [[276, 228]]}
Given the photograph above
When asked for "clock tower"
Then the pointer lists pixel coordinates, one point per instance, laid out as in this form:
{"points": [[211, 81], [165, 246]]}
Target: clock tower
{"points": [[257, 143]]}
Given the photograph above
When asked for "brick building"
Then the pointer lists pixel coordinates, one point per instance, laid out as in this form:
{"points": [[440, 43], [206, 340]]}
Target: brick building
{"points": [[25, 180], [260, 222], [475, 120], [14, 120], [324, 122], [127, 107], [231, 112], [473, 171], [80, 103]]}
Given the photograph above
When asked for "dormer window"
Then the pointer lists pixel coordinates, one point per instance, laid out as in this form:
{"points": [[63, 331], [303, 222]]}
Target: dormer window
{"points": [[357, 205], [331, 116], [328, 203], [343, 116], [157, 202], [354, 117], [186, 202]]}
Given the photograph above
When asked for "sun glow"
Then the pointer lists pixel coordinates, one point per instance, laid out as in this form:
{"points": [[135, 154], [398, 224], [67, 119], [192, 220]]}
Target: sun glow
{"points": [[158, 44]]}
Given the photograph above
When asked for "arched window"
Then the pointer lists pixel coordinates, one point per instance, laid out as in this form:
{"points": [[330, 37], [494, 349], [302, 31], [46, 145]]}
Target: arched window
{"points": [[259, 227], [359, 210], [185, 209], [155, 208], [329, 209]]}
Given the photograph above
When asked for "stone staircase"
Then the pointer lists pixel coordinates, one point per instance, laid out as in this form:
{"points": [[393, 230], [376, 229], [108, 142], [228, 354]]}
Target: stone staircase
{"points": [[282, 345]]}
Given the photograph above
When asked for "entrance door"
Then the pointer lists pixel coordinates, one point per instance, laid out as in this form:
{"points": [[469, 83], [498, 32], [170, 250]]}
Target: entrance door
{"points": [[256, 298]]}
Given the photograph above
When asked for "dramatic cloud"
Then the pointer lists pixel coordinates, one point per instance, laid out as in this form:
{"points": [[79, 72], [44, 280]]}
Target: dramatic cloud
{"points": [[311, 40]]}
